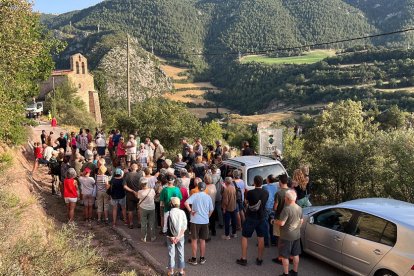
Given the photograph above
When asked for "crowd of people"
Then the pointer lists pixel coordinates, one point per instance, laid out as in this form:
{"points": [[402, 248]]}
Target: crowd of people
{"points": [[194, 195]]}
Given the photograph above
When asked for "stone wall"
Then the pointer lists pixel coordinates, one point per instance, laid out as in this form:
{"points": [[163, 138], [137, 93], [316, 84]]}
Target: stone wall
{"points": [[94, 106]]}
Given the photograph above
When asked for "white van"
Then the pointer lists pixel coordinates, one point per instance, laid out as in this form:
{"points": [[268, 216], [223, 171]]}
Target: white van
{"points": [[250, 166]]}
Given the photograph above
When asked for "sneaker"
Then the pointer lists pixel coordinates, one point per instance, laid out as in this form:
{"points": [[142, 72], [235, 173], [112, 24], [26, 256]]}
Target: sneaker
{"points": [[144, 239], [131, 226], [192, 261], [98, 222], [293, 273], [202, 260], [153, 238], [258, 261], [224, 237], [106, 222], [233, 236], [241, 261]]}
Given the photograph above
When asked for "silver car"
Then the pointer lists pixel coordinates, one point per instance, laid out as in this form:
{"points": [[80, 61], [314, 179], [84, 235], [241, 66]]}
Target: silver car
{"points": [[370, 236]]}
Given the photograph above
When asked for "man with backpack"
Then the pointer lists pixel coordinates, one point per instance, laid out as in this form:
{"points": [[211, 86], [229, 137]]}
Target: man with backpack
{"points": [[176, 226], [255, 220], [240, 189], [278, 207], [54, 167]]}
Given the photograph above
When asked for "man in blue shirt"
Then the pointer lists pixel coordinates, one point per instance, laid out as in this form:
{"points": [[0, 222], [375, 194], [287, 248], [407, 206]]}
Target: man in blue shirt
{"points": [[201, 209], [271, 187]]}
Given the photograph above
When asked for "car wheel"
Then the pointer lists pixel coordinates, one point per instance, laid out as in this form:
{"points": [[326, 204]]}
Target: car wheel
{"points": [[385, 272]]}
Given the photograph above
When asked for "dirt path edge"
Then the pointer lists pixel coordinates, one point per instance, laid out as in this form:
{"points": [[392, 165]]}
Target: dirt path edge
{"points": [[158, 267]]}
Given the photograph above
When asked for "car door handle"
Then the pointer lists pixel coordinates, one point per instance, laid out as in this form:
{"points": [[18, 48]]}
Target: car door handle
{"points": [[337, 238], [378, 252]]}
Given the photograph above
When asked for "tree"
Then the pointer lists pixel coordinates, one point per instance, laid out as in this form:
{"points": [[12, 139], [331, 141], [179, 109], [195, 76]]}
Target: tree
{"points": [[341, 122], [68, 108], [25, 52], [167, 121], [393, 118]]}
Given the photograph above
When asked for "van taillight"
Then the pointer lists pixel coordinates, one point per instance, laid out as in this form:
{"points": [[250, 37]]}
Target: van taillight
{"points": [[412, 268]]}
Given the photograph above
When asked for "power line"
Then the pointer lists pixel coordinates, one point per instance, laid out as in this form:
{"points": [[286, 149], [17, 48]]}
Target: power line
{"points": [[296, 47]]}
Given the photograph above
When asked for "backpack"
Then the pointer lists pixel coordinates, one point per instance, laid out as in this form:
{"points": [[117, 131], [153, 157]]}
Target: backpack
{"points": [[239, 193], [54, 166]]}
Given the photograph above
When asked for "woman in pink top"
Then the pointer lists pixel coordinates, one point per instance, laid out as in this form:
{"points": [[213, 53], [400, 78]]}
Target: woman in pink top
{"points": [[121, 152]]}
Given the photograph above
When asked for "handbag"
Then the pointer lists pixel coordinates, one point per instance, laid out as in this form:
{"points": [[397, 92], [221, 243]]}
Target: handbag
{"points": [[304, 202]]}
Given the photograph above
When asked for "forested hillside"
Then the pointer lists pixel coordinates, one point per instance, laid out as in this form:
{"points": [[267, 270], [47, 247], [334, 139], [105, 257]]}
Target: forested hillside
{"points": [[377, 77], [388, 15], [182, 28]]}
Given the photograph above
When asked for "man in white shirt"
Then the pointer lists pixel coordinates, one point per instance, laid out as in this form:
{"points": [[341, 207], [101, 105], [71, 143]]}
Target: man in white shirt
{"points": [[47, 154], [131, 149]]}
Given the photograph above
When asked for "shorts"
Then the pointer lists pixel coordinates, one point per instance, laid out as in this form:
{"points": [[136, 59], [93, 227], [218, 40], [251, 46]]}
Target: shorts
{"points": [[131, 204], [199, 231], [102, 201], [131, 157], [43, 161], [88, 200], [101, 150], [239, 206], [71, 199], [289, 248], [120, 201], [250, 225]]}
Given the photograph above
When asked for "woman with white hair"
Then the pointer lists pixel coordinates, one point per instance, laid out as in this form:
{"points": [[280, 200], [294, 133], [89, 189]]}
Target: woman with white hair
{"points": [[70, 192]]}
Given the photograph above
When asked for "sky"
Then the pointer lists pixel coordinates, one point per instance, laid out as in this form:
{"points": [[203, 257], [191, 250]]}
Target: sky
{"points": [[62, 6]]}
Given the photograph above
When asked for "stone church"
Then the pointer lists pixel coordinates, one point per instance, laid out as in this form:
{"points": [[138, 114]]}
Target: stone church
{"points": [[80, 78]]}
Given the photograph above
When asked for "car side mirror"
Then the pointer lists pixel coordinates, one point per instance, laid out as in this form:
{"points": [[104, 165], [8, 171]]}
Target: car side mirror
{"points": [[311, 220]]}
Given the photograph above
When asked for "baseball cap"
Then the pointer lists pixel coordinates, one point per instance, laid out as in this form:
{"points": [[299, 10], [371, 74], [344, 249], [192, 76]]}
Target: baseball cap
{"points": [[118, 171], [170, 178], [86, 170], [201, 186]]}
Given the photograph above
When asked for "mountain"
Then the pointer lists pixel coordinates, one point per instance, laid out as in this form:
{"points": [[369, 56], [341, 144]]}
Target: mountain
{"points": [[183, 28], [388, 16], [170, 26]]}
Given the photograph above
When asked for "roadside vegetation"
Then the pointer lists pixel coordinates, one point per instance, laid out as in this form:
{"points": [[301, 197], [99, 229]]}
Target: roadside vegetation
{"points": [[355, 153]]}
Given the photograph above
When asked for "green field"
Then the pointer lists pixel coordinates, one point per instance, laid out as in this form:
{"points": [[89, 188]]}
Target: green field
{"points": [[306, 58]]}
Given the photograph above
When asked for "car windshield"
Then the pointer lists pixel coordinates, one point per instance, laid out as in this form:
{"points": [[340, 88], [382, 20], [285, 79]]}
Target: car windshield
{"points": [[275, 169], [31, 106]]}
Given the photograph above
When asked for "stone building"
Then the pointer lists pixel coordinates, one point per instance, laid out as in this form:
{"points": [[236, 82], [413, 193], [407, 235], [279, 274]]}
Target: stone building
{"points": [[80, 78]]}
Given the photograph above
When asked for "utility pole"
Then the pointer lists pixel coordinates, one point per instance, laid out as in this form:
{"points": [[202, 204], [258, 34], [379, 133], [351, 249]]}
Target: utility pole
{"points": [[53, 107], [99, 27], [128, 80], [152, 48]]}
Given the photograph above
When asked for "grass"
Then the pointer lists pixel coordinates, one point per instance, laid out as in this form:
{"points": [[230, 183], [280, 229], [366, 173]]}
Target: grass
{"points": [[306, 58], [6, 160]]}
